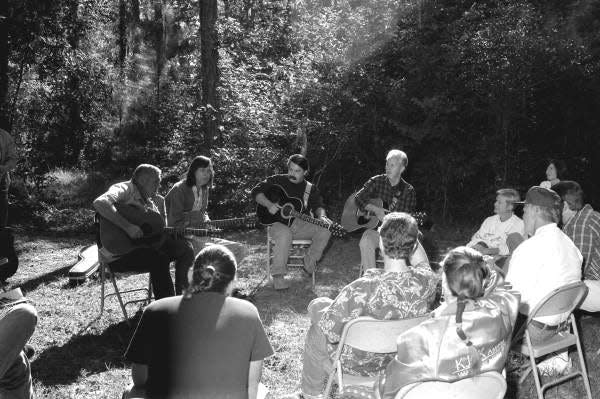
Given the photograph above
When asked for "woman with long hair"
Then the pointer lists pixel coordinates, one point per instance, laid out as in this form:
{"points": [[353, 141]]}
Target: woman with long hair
{"points": [[555, 172], [204, 344], [468, 334], [187, 204]]}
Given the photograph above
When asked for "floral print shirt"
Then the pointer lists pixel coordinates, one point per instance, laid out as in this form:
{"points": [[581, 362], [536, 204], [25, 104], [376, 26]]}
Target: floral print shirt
{"points": [[382, 295]]}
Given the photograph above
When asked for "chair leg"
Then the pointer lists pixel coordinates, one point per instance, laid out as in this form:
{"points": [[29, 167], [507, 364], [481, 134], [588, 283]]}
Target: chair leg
{"points": [[534, 370], [269, 249], [586, 381], [102, 296], [118, 295], [330, 379]]}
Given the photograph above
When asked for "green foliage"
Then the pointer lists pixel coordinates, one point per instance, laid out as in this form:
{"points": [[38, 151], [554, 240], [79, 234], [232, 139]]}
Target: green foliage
{"points": [[478, 94]]}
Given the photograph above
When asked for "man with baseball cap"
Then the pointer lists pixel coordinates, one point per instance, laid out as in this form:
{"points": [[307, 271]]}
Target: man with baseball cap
{"points": [[542, 263]]}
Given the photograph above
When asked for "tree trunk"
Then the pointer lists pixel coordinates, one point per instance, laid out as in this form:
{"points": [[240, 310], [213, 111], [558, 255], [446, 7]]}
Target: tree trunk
{"points": [[4, 109], [122, 35], [210, 74], [75, 122]]}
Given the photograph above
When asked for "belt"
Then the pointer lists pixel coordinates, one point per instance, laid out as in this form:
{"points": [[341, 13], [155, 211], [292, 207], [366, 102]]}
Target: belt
{"points": [[550, 327]]}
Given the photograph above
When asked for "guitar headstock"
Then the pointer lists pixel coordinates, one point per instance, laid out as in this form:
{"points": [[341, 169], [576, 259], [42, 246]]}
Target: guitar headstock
{"points": [[337, 230]]}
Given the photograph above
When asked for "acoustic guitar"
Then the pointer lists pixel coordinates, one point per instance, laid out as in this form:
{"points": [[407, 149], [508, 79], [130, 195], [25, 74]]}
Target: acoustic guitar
{"points": [[353, 218], [291, 208], [152, 224]]}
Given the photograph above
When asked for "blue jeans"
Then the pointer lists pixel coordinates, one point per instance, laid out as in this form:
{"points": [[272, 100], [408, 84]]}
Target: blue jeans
{"points": [[299, 230], [16, 327]]}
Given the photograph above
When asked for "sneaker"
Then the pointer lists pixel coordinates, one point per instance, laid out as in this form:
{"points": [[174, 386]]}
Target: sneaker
{"points": [[279, 283]]}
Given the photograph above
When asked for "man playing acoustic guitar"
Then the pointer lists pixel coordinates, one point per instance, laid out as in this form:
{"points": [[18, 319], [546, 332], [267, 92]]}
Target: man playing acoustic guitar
{"points": [[396, 193], [295, 185], [142, 192]]}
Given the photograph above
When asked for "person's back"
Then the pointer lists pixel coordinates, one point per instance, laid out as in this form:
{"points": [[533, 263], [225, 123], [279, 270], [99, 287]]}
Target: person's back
{"points": [[204, 344], [199, 347]]}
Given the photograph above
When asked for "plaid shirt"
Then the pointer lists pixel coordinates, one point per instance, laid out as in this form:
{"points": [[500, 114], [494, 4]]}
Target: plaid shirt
{"points": [[584, 229], [379, 187], [381, 295]]}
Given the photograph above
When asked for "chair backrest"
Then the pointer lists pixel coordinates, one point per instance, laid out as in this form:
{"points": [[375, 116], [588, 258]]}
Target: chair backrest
{"points": [[376, 336], [561, 300]]}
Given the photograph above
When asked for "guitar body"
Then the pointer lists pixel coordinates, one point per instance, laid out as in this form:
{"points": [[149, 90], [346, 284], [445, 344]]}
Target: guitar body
{"points": [[353, 218], [116, 240], [277, 195]]}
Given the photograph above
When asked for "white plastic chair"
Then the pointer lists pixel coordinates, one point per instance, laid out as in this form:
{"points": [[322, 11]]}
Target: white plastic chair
{"points": [[489, 385]]}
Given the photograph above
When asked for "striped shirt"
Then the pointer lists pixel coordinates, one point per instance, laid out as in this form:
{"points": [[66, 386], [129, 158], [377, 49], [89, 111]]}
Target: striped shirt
{"points": [[584, 229]]}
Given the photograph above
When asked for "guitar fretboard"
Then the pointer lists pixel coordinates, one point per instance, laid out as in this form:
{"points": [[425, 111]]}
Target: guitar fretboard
{"points": [[309, 219], [193, 231], [233, 222]]}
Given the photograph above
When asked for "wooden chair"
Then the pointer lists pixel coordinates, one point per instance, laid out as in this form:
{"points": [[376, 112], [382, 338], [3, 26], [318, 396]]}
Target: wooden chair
{"points": [[104, 270], [370, 335], [562, 300], [489, 385], [296, 257]]}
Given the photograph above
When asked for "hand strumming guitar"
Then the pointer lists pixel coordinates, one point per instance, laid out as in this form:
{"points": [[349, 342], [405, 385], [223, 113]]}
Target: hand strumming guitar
{"points": [[273, 208], [134, 231], [379, 212]]}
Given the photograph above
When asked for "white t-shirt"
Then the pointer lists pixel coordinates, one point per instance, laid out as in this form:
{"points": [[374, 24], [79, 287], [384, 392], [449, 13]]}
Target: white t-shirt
{"points": [[493, 232], [544, 262]]}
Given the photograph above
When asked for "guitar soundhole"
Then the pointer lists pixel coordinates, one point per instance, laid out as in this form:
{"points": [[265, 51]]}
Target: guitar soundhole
{"points": [[363, 220], [286, 210]]}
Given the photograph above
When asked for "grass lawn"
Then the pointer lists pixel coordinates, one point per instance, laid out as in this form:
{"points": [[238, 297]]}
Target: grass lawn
{"points": [[77, 360]]}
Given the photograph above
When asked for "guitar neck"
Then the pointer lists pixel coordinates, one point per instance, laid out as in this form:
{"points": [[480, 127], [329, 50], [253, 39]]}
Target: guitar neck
{"points": [[233, 222], [309, 219], [193, 231]]}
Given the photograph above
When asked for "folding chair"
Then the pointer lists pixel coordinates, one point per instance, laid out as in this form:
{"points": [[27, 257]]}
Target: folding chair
{"points": [[490, 385], [296, 257], [104, 270], [562, 300], [370, 335]]}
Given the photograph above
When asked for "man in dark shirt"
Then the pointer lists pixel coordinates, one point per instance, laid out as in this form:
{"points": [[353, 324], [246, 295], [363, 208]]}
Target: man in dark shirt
{"points": [[397, 196], [295, 185]]}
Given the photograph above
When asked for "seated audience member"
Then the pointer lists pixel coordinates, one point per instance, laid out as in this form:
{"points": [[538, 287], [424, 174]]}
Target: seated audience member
{"points": [[405, 287], [204, 344], [469, 333], [582, 225], [17, 323], [186, 205], [501, 233], [555, 172], [542, 263]]}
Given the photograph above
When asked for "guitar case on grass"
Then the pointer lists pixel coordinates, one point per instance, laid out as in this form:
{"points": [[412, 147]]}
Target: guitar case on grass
{"points": [[87, 265], [8, 257]]}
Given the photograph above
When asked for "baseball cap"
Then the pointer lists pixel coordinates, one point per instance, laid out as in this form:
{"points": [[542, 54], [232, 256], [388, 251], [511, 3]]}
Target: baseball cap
{"points": [[541, 196]]}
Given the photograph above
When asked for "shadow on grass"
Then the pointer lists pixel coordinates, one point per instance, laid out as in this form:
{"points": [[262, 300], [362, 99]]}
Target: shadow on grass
{"points": [[83, 354]]}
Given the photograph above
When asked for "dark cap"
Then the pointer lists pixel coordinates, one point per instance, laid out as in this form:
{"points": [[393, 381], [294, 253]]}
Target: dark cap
{"points": [[541, 196]]}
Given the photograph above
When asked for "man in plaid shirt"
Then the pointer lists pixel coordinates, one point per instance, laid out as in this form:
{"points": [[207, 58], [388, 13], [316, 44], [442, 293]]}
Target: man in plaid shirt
{"points": [[582, 224], [397, 196]]}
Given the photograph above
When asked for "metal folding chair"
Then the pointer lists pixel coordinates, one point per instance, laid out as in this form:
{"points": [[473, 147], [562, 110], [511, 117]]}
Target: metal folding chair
{"points": [[370, 335], [104, 270], [296, 257], [562, 300]]}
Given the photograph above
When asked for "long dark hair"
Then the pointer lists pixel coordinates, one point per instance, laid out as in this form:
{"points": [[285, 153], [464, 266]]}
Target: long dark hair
{"points": [[466, 272], [561, 168], [214, 268], [199, 162]]}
